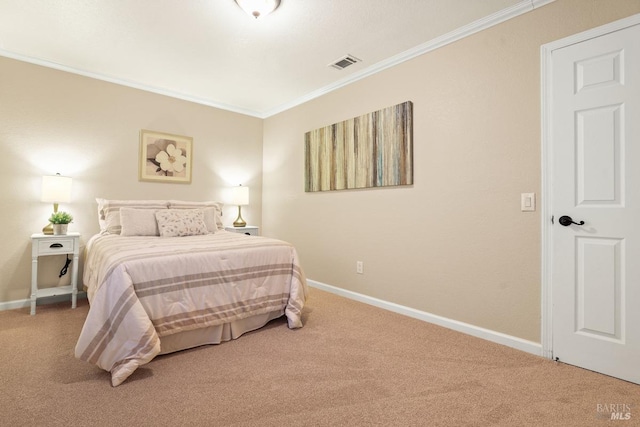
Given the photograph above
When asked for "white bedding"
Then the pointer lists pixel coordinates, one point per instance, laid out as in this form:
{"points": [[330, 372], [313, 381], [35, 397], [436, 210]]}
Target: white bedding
{"points": [[143, 288]]}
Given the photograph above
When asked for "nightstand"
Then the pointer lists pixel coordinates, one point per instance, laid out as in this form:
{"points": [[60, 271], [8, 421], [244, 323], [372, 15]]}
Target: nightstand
{"points": [[250, 230], [47, 244]]}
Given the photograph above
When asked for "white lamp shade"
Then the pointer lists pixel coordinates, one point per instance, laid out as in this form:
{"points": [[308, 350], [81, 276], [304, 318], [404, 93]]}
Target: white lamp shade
{"points": [[240, 196], [258, 8], [56, 189]]}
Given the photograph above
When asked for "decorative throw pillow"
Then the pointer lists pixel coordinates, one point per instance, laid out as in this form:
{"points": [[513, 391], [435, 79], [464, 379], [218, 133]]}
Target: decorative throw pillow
{"points": [[138, 222], [179, 223], [180, 204]]}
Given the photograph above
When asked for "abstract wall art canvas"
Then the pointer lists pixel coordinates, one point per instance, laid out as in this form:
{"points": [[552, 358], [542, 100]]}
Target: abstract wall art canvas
{"points": [[372, 150]]}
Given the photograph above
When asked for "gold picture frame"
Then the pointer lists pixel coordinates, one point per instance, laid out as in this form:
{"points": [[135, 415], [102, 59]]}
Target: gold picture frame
{"points": [[165, 157]]}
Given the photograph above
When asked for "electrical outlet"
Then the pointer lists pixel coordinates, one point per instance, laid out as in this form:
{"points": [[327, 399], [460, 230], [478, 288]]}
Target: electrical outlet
{"points": [[359, 267]]}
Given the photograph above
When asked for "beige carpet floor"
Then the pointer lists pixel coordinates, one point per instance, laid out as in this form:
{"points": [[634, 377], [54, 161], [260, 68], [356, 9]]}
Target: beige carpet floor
{"points": [[351, 365]]}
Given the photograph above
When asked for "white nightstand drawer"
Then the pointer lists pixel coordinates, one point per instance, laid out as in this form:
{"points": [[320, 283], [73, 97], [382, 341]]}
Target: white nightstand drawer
{"points": [[58, 245]]}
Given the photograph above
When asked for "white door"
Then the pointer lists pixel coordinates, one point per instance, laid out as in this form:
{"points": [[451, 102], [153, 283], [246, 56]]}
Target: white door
{"points": [[595, 174]]}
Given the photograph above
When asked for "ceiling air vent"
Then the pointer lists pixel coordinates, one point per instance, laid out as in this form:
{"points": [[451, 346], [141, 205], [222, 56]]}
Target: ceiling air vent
{"points": [[344, 62]]}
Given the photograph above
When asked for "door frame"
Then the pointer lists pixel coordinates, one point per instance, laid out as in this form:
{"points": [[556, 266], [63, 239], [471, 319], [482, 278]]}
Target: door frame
{"points": [[546, 65]]}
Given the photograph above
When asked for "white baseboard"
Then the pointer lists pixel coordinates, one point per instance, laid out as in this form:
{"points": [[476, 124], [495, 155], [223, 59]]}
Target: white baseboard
{"points": [[25, 303], [487, 334]]}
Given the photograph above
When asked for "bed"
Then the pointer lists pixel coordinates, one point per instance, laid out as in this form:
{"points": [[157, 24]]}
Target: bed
{"points": [[153, 292]]}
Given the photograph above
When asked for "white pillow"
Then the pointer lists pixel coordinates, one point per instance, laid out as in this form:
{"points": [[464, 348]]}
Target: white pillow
{"points": [[179, 222], [210, 219], [109, 211], [138, 222]]}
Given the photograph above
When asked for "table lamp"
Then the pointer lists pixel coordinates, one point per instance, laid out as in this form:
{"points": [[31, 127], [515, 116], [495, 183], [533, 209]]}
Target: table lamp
{"points": [[55, 189], [240, 197]]}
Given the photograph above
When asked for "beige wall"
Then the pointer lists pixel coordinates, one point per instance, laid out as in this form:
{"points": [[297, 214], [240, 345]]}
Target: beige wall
{"points": [[455, 243], [53, 121]]}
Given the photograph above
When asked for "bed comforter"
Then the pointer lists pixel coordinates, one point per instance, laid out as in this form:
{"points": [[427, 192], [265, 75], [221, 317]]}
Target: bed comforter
{"points": [[143, 288]]}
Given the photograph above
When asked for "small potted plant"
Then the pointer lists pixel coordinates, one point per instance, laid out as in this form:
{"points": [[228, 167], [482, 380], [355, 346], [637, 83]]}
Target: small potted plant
{"points": [[60, 221]]}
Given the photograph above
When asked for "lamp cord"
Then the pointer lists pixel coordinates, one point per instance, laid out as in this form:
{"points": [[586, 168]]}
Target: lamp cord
{"points": [[65, 268]]}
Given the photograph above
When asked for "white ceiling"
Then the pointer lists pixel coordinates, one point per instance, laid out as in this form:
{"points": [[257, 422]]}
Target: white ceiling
{"points": [[211, 52]]}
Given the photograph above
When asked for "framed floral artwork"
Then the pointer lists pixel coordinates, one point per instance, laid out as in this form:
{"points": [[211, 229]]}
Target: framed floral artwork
{"points": [[165, 157]]}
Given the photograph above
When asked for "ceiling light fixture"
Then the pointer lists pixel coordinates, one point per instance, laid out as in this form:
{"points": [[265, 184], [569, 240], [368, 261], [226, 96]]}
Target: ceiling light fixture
{"points": [[258, 8]]}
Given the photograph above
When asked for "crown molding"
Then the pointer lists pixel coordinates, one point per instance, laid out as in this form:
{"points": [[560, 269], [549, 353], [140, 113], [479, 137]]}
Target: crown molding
{"points": [[489, 21], [514, 11], [128, 83]]}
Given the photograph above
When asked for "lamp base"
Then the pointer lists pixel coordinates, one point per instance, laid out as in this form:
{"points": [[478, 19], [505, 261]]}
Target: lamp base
{"points": [[239, 222], [47, 229]]}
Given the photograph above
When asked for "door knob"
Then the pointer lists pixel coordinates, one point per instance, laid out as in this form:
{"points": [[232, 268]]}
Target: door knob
{"points": [[567, 221]]}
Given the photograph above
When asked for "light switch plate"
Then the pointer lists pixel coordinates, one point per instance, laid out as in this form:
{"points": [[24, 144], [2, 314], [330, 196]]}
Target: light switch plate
{"points": [[528, 202]]}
